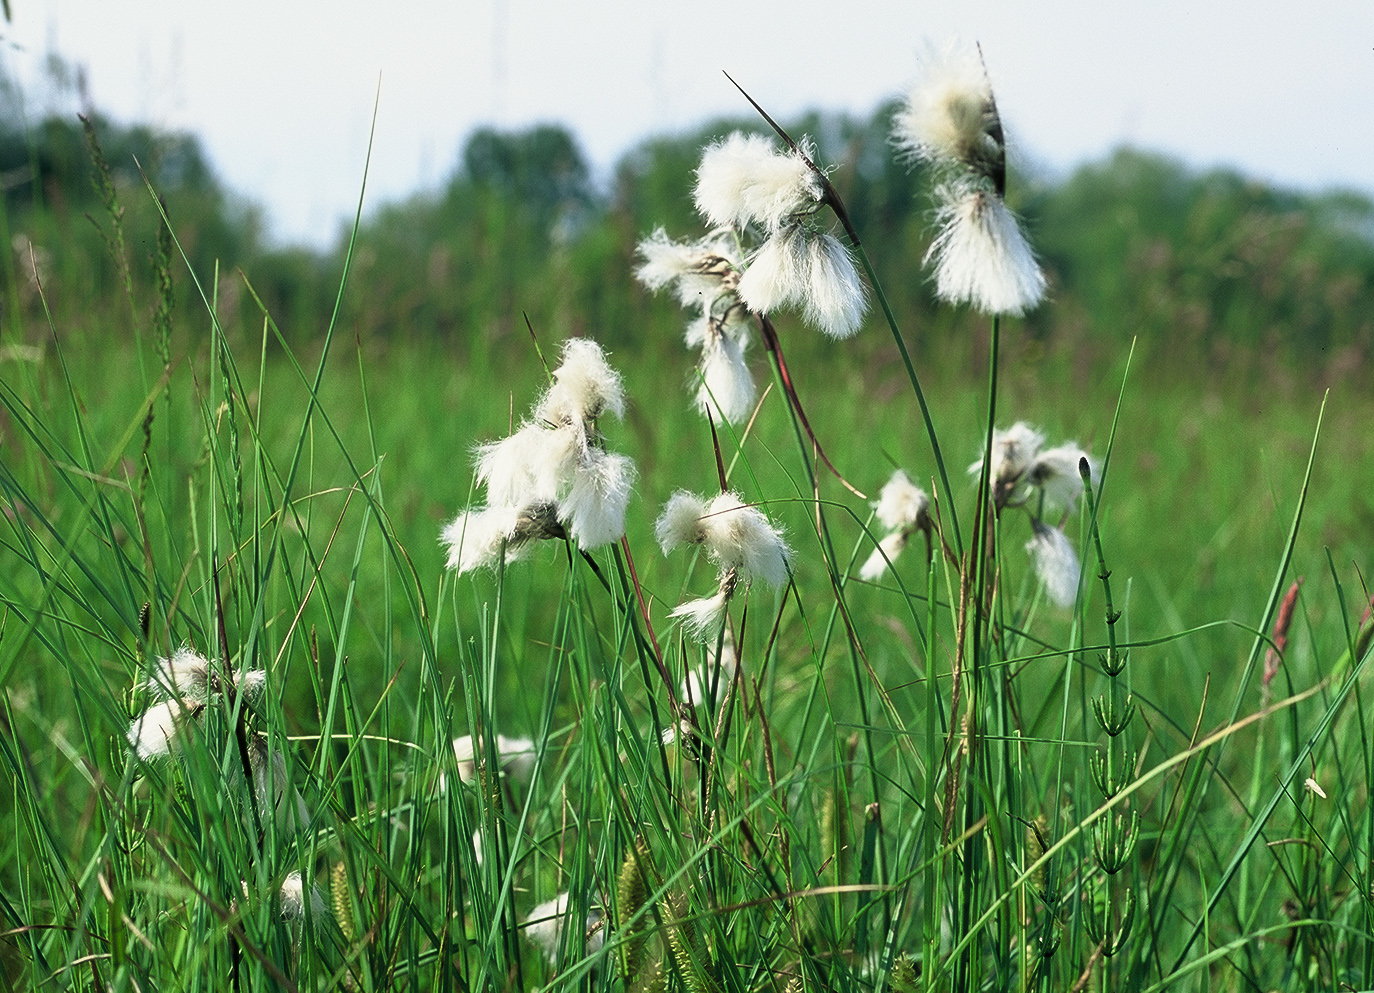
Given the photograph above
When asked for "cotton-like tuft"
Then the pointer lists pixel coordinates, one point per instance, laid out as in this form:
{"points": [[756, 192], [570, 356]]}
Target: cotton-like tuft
{"points": [[701, 270], [702, 618], [778, 272], [184, 676], [594, 508], [516, 756], [251, 683], [835, 298], [544, 927], [293, 899], [727, 389], [886, 553], [475, 537], [739, 536], [744, 179], [1056, 563], [585, 386], [1055, 472], [530, 464], [696, 686], [949, 117], [158, 731], [980, 255], [1012, 452], [901, 503], [682, 521]]}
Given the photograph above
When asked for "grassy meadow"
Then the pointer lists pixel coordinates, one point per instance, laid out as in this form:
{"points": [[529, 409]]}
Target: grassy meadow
{"points": [[873, 797]]}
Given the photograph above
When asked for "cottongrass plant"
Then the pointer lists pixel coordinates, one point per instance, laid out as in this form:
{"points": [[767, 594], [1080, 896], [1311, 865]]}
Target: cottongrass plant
{"points": [[1042, 481], [950, 120], [738, 538], [753, 194], [553, 478], [904, 509]]}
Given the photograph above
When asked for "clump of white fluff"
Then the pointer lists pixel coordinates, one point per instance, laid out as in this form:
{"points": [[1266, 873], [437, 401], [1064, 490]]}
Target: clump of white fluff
{"points": [[742, 542], [743, 179], [544, 927], [979, 253], [981, 257], [904, 509], [553, 477], [1022, 468], [1056, 563], [182, 684]]}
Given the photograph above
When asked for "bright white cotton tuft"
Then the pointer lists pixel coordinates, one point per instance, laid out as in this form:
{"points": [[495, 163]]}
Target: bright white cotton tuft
{"points": [[594, 508], [1055, 472], [947, 114], [584, 386], [980, 255], [835, 299], [744, 179], [702, 618], [727, 389], [901, 503], [1056, 563], [475, 537], [681, 522], [777, 273], [886, 553]]}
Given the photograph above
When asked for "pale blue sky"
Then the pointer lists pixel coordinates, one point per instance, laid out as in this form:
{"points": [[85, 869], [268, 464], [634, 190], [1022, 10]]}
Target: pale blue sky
{"points": [[282, 91]]}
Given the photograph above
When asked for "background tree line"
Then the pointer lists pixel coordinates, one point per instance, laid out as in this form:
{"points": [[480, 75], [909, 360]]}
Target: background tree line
{"points": [[1206, 263]]}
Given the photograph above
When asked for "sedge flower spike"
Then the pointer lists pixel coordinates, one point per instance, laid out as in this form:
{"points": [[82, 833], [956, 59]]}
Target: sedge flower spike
{"points": [[743, 180], [1022, 468], [979, 253], [183, 685], [950, 118]]}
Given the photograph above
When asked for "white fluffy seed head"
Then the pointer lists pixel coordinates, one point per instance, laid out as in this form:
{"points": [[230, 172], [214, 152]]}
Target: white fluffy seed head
{"points": [[276, 795], [532, 464], [701, 270], [584, 387], [702, 618], [1055, 472], [1056, 563], [981, 256], [1013, 449], [726, 390], [949, 116], [594, 508], [160, 729], [886, 553], [778, 272], [741, 537], [682, 521], [293, 899], [516, 756], [901, 503], [184, 676], [744, 179], [475, 537], [834, 295]]}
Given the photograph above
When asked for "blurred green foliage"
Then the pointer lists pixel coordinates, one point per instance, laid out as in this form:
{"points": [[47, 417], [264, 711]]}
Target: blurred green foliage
{"points": [[1203, 264]]}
